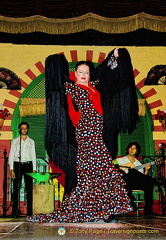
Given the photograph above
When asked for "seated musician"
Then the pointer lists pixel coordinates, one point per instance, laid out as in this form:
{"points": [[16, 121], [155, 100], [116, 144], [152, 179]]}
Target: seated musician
{"points": [[138, 179]]}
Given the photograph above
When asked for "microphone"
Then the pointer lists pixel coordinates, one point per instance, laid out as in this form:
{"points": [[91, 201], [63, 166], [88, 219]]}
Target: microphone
{"points": [[20, 130], [162, 145]]}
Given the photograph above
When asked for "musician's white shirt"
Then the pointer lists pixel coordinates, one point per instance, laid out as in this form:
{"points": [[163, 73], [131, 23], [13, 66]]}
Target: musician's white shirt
{"points": [[125, 160]]}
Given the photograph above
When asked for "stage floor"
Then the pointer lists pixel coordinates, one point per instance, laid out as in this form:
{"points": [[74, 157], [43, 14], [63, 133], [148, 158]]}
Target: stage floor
{"points": [[128, 227]]}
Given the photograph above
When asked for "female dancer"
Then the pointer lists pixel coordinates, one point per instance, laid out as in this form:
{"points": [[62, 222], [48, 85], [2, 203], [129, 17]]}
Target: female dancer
{"points": [[100, 190]]}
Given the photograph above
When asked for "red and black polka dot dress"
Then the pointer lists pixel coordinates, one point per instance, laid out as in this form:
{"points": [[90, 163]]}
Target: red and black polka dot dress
{"points": [[100, 190]]}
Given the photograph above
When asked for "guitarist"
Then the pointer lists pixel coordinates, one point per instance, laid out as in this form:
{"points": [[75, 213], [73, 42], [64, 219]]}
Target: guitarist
{"points": [[137, 179]]}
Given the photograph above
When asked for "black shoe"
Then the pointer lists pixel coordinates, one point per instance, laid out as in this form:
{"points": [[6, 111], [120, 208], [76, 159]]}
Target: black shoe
{"points": [[111, 219], [14, 215], [150, 215]]}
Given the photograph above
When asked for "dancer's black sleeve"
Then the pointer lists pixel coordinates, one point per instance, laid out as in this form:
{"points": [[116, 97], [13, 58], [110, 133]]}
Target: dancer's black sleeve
{"points": [[59, 132]]}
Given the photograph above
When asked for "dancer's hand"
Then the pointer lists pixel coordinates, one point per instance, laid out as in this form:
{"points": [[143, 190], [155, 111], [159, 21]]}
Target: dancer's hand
{"points": [[116, 53]]}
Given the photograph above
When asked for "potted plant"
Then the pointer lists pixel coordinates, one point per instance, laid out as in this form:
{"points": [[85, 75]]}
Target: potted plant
{"points": [[161, 116], [3, 115]]}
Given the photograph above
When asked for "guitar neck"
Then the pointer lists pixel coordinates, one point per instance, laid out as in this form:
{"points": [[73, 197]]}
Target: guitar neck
{"points": [[144, 165]]}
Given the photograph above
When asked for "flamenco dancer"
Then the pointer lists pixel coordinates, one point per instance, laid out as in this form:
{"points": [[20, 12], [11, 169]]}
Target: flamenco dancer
{"points": [[84, 117]]}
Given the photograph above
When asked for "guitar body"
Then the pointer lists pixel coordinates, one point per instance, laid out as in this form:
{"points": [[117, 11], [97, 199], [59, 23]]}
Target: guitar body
{"points": [[127, 166]]}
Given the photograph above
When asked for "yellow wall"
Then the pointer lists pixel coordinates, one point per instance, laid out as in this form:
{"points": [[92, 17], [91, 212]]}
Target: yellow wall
{"points": [[20, 58]]}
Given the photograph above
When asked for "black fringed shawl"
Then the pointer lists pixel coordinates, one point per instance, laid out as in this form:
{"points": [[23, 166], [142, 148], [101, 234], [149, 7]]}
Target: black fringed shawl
{"points": [[119, 102], [59, 131]]}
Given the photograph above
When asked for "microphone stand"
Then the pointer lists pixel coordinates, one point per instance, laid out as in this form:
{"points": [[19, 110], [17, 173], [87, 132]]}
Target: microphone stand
{"points": [[4, 207], [19, 181]]}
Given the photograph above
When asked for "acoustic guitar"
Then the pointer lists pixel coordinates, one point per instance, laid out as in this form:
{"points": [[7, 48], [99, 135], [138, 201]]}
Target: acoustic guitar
{"points": [[132, 166]]}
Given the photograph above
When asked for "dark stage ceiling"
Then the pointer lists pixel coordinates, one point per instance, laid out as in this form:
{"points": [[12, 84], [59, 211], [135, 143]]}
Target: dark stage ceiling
{"points": [[70, 9], [73, 8]]}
